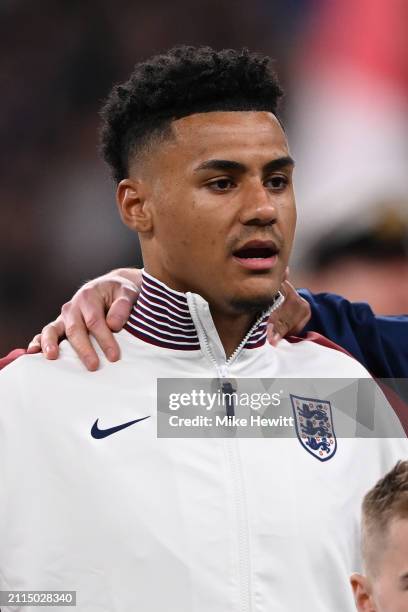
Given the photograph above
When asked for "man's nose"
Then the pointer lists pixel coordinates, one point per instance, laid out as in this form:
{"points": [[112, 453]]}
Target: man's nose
{"points": [[258, 206]]}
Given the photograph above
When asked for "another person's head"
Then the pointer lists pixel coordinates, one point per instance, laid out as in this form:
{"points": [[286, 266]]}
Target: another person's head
{"points": [[366, 261], [384, 587], [204, 173]]}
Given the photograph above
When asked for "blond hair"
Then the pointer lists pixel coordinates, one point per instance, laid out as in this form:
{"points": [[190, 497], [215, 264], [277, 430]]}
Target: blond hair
{"points": [[385, 502]]}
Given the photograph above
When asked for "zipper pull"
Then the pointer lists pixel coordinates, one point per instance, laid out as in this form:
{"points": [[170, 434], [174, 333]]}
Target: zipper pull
{"points": [[227, 390]]}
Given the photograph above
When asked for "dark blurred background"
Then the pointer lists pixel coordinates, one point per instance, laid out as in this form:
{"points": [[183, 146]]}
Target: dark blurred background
{"points": [[344, 65]]}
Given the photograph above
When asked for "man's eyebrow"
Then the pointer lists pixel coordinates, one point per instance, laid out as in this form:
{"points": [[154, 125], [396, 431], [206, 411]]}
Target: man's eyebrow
{"points": [[220, 164], [278, 164], [226, 164]]}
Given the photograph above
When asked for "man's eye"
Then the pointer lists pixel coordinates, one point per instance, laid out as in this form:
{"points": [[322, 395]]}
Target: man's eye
{"points": [[277, 183], [222, 184]]}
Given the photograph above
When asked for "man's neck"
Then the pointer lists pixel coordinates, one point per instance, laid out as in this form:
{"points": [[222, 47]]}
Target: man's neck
{"points": [[232, 329]]}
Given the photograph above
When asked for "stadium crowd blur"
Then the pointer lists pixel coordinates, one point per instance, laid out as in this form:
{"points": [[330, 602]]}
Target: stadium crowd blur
{"points": [[344, 67]]}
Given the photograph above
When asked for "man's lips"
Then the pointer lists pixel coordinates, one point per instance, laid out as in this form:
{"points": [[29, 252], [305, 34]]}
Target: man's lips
{"points": [[257, 255]]}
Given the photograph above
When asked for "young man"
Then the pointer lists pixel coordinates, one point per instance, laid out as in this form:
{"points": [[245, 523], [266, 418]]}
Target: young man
{"points": [[384, 587], [95, 500]]}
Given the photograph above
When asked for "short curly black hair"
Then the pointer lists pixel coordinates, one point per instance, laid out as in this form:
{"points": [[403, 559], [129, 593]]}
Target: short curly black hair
{"points": [[181, 82]]}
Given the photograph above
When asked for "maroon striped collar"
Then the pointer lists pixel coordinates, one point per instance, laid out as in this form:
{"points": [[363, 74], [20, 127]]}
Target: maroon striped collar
{"points": [[162, 317]]}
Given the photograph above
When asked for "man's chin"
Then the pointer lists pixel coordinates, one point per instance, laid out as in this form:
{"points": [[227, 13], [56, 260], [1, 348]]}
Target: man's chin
{"points": [[252, 304]]}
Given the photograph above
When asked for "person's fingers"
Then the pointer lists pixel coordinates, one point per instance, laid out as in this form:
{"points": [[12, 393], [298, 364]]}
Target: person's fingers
{"points": [[50, 338], [300, 311], [270, 334], [77, 334], [291, 317], [85, 314], [115, 293], [276, 330], [34, 345], [93, 314], [120, 309]]}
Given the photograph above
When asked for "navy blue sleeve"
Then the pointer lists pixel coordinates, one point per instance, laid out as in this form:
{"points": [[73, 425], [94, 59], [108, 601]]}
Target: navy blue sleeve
{"points": [[380, 343]]}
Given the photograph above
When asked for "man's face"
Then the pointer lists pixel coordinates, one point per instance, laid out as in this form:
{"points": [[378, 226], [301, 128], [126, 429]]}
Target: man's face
{"points": [[223, 209], [388, 590]]}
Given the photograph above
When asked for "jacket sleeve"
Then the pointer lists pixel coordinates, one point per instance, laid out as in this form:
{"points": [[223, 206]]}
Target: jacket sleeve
{"points": [[380, 343]]}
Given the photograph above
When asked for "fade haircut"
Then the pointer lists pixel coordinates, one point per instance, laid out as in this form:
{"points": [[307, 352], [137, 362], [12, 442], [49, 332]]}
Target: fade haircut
{"points": [[387, 501], [181, 82]]}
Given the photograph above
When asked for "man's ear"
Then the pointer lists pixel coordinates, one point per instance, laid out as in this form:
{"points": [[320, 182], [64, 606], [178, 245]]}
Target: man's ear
{"points": [[132, 204], [362, 593]]}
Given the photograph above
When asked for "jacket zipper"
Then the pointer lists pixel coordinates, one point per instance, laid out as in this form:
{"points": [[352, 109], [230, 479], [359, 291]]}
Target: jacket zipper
{"points": [[222, 369], [234, 461]]}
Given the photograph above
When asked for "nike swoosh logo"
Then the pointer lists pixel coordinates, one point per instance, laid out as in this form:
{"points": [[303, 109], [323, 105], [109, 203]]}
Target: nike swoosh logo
{"points": [[103, 433]]}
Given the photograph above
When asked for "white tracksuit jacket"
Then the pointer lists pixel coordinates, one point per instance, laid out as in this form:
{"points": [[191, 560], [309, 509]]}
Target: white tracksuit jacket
{"points": [[134, 523]]}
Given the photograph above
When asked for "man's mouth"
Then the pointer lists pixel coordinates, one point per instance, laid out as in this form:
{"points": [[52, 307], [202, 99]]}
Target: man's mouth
{"points": [[257, 255]]}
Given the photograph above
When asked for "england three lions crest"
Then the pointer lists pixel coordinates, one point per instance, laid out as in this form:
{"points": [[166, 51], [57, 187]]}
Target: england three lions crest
{"points": [[314, 426]]}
